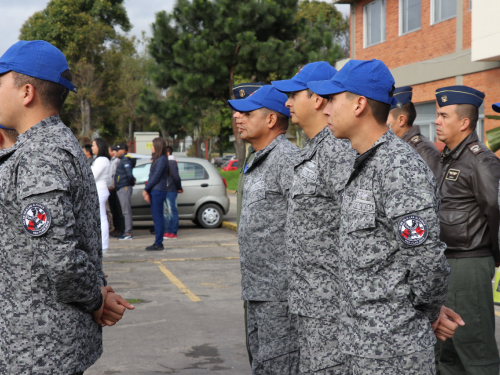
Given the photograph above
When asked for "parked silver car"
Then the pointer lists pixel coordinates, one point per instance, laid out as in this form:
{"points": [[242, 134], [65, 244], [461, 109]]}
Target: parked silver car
{"points": [[204, 200]]}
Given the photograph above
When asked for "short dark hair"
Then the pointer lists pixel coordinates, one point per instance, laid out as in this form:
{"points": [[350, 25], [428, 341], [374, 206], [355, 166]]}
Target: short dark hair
{"points": [[282, 120], [122, 146], [468, 111], [11, 134], [53, 95], [407, 110], [380, 111], [102, 148], [88, 148], [170, 150]]}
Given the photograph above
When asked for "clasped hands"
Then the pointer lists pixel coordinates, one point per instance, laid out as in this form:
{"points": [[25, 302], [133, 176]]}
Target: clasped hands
{"points": [[112, 309]]}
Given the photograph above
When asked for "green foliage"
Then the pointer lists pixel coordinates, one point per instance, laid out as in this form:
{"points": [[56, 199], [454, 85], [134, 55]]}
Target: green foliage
{"points": [[231, 178]]}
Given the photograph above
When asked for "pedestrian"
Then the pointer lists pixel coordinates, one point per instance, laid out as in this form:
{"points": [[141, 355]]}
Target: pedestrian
{"points": [[113, 201], [400, 120], [53, 290], [469, 227], [155, 190], [124, 182], [321, 171], [100, 169], [174, 187], [87, 149], [262, 120], [242, 91], [392, 269], [8, 137]]}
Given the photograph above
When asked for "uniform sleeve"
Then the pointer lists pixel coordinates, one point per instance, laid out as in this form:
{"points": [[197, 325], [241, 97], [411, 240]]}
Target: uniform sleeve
{"points": [[432, 157], [412, 204], [484, 181], [287, 163], [76, 275], [156, 174]]}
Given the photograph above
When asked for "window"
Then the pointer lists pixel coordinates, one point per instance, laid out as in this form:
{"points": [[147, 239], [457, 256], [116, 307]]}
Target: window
{"points": [[192, 171], [410, 15], [141, 173], [444, 10], [374, 23]]}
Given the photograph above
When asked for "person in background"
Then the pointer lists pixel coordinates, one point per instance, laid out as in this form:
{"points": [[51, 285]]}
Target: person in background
{"points": [[174, 187], [8, 137], [155, 190], [124, 180], [100, 170], [87, 149], [113, 201]]}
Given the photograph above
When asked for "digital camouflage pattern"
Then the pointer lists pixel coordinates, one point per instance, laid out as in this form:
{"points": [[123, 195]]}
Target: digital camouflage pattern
{"points": [[425, 148], [320, 174], [272, 338], [393, 272], [261, 232], [50, 283]]}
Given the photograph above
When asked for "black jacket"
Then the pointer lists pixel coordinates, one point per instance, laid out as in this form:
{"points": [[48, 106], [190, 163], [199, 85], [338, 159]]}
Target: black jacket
{"points": [[173, 180], [123, 174], [469, 200], [158, 175], [424, 147]]}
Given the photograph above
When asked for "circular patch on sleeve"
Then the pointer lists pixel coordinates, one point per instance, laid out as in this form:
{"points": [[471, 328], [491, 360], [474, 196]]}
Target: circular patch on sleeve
{"points": [[412, 230], [36, 219]]}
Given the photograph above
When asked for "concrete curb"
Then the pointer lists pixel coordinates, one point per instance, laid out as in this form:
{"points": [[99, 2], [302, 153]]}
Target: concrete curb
{"points": [[230, 225], [231, 191]]}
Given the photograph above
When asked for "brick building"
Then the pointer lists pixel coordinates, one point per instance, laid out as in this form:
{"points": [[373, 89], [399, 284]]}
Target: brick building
{"points": [[430, 44]]}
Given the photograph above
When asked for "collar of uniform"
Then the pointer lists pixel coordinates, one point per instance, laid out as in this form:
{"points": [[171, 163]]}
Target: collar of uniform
{"points": [[266, 150], [415, 130], [457, 151], [361, 159], [316, 140], [38, 128]]}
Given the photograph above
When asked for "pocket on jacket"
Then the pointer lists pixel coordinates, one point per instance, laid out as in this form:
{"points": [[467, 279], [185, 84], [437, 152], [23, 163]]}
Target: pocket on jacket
{"points": [[454, 229]]}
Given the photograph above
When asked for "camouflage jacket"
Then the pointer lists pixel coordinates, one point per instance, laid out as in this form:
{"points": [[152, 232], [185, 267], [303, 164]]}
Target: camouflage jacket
{"points": [[261, 233], [320, 174], [50, 251], [393, 272]]}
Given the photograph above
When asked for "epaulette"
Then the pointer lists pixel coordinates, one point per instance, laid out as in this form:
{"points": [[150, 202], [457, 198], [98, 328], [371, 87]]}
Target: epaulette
{"points": [[476, 149], [416, 140]]}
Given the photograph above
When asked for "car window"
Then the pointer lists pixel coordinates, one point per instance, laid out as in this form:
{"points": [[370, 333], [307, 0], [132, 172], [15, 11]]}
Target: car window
{"points": [[226, 163], [141, 173], [191, 171]]}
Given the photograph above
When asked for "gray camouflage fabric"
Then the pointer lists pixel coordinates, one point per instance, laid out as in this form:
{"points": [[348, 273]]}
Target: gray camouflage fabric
{"points": [[272, 338], [49, 284], [417, 363], [391, 290], [320, 174], [261, 232]]}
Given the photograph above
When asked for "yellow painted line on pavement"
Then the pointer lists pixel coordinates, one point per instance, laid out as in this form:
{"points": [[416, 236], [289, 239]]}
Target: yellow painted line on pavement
{"points": [[169, 260], [497, 313], [230, 225], [179, 284]]}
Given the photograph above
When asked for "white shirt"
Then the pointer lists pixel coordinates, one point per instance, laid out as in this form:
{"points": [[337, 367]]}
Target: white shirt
{"points": [[100, 169]]}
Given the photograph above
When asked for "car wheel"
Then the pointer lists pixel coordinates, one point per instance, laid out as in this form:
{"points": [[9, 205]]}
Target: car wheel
{"points": [[209, 216], [195, 221]]}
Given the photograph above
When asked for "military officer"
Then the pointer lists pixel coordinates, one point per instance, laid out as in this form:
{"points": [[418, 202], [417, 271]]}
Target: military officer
{"points": [[401, 119], [392, 270], [53, 290], [262, 120], [243, 91], [469, 227], [320, 173]]}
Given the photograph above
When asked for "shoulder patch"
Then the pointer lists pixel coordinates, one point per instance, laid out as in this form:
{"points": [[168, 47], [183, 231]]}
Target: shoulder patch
{"points": [[475, 148], [416, 139], [36, 219], [412, 230]]}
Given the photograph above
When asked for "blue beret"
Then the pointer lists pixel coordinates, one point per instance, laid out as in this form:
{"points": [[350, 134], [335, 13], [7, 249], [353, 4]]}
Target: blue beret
{"points": [[243, 90], [496, 107], [459, 95], [403, 95]]}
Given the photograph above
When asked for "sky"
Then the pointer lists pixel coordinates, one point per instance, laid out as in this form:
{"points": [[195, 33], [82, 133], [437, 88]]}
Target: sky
{"points": [[140, 12]]}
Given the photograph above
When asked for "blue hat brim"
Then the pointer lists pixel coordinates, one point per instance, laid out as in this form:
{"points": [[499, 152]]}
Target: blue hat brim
{"points": [[496, 107], [4, 69], [289, 85], [3, 127], [245, 105], [325, 88]]}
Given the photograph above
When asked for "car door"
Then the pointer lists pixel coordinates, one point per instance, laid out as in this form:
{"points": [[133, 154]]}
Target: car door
{"points": [[140, 208], [194, 183]]}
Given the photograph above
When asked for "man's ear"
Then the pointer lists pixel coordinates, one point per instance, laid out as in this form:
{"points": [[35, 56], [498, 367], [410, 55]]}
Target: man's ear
{"points": [[28, 94], [318, 101], [360, 105], [402, 120], [465, 123], [272, 120]]}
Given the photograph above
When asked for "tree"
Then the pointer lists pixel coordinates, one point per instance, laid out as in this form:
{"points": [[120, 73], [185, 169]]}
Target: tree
{"points": [[202, 45]]}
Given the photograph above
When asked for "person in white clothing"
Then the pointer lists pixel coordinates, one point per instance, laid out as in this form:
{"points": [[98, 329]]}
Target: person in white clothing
{"points": [[101, 170]]}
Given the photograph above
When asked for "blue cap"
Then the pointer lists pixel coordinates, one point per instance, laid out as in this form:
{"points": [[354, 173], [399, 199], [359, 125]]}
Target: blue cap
{"points": [[367, 78], [38, 59], [403, 95], [265, 97], [459, 95], [3, 127], [243, 90], [496, 107], [316, 71]]}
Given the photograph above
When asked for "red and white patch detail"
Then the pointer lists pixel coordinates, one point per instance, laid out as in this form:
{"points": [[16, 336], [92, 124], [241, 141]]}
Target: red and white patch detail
{"points": [[36, 219], [412, 230]]}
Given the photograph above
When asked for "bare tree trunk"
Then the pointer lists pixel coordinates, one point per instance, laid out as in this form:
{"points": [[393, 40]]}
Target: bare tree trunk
{"points": [[239, 143], [130, 130], [85, 109]]}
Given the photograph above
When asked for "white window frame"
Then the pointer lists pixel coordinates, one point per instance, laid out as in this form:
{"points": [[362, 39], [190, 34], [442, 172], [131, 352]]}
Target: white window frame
{"points": [[401, 15], [365, 24], [433, 11]]}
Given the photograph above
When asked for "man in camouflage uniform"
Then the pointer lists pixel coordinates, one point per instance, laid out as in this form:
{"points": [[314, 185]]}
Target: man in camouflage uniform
{"points": [[401, 119], [393, 273], [321, 171], [262, 120], [51, 281]]}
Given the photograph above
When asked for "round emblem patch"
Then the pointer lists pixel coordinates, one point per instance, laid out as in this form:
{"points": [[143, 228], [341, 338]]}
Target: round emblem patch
{"points": [[412, 230], [36, 219]]}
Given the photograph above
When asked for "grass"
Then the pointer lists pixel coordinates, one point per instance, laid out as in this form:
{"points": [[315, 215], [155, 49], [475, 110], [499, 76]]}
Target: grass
{"points": [[134, 300], [231, 178]]}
